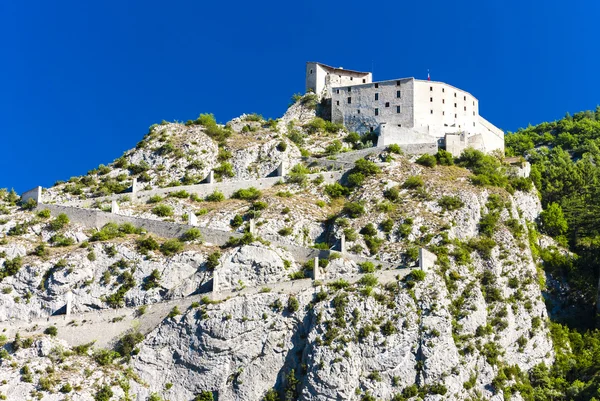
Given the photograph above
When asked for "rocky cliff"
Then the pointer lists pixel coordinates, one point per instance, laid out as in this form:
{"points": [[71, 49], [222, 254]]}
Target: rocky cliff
{"points": [[449, 332]]}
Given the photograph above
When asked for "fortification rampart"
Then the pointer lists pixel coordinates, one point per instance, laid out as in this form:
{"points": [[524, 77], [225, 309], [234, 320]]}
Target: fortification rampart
{"points": [[205, 189]]}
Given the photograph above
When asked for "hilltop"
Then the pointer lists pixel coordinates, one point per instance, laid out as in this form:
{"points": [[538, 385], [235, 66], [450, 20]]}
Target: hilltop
{"points": [[195, 290]]}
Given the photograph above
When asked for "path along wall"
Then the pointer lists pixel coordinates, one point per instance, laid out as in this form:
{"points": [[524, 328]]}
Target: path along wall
{"points": [[203, 190]]}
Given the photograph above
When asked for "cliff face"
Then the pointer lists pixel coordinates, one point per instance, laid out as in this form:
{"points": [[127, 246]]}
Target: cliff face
{"points": [[374, 330]]}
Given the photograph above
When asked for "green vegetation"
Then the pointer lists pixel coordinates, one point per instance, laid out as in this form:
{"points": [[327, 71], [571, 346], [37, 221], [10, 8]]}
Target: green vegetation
{"points": [[247, 194], [450, 202], [211, 128], [565, 168], [162, 210], [427, 160], [216, 196]]}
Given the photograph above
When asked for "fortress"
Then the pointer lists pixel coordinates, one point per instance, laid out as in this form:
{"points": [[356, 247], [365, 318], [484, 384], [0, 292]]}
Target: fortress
{"points": [[404, 111]]}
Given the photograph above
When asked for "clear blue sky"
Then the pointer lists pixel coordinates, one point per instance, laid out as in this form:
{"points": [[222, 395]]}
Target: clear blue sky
{"points": [[81, 81]]}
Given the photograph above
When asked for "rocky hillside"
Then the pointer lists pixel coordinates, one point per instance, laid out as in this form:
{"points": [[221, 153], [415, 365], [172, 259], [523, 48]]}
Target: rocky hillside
{"points": [[373, 327]]}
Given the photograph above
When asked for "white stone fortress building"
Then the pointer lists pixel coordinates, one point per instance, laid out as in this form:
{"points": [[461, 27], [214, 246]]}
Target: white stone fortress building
{"points": [[405, 111]]}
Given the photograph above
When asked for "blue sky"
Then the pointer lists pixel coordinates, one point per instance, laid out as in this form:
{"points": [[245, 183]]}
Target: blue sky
{"points": [[82, 81]]}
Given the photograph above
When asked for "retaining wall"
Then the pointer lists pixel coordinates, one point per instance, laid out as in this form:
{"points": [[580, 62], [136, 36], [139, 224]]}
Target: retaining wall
{"points": [[203, 190]]}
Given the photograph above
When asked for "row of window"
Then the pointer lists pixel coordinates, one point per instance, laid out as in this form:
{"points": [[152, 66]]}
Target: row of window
{"points": [[464, 97], [376, 86]]}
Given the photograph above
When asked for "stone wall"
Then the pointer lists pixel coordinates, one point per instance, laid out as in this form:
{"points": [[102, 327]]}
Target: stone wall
{"points": [[202, 190], [35, 194], [367, 108]]}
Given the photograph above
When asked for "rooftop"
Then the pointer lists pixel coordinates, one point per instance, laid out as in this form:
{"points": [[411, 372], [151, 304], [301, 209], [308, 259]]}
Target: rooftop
{"points": [[330, 68]]}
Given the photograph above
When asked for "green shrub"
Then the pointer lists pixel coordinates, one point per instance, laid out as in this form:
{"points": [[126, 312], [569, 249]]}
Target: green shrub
{"points": [[11, 267], [413, 182], [393, 194], [482, 245], [60, 240], [162, 210], [171, 247], [487, 169], [66, 388], [488, 223], [183, 194], [224, 170], [369, 229], [395, 148], [236, 221], [103, 394], [293, 304], [427, 160], [444, 158], [367, 267], [285, 231], [216, 196], [51, 331], [126, 344], [353, 209], [29, 205], [334, 147], [193, 234], [417, 275], [247, 194], [387, 225], [204, 396], [212, 262], [43, 214], [336, 190], [152, 281], [155, 199], [450, 202], [174, 312], [104, 357], [298, 174], [146, 244], [366, 167], [373, 243], [59, 222]]}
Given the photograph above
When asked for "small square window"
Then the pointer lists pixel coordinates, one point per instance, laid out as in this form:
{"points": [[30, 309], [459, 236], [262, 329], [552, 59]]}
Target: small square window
{"points": [[465, 108], [454, 94], [364, 81], [454, 104], [349, 100], [397, 109], [358, 112], [311, 71], [376, 112], [465, 98], [473, 103], [473, 113], [397, 83], [455, 116], [431, 89], [399, 125], [376, 85], [337, 103], [431, 99], [349, 89], [337, 91], [443, 101], [387, 104], [431, 111], [443, 90], [473, 123], [443, 113], [398, 93], [351, 78], [377, 96]]}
